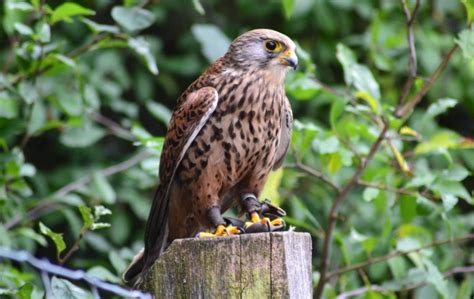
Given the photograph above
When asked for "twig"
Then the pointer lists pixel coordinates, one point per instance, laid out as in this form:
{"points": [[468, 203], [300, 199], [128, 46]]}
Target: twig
{"points": [[396, 253], [361, 291], [377, 288], [386, 188], [333, 214], [408, 107], [412, 63], [74, 247], [314, 173], [47, 206], [45, 266], [114, 127], [105, 172]]}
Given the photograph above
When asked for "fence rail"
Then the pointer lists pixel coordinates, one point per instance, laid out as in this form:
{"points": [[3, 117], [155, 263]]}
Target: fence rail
{"points": [[47, 268]]}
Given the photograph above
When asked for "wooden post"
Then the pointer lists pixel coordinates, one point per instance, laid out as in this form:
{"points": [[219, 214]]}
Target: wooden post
{"points": [[266, 265]]}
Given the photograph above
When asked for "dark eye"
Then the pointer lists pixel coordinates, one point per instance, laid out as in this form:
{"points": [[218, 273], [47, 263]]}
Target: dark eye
{"points": [[272, 45]]}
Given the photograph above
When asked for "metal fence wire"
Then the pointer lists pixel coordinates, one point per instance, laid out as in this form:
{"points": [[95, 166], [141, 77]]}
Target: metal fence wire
{"points": [[46, 269]]}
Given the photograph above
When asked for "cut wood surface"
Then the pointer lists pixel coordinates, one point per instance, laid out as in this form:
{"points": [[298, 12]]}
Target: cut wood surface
{"points": [[265, 265]]}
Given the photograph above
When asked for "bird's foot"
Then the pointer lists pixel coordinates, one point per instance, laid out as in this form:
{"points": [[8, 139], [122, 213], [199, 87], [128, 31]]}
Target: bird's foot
{"points": [[263, 224], [268, 220], [222, 230]]}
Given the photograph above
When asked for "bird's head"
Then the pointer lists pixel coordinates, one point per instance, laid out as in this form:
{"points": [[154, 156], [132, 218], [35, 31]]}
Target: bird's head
{"points": [[264, 49]]}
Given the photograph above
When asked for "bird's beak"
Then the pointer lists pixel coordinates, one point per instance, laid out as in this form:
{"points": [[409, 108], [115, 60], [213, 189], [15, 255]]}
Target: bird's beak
{"points": [[289, 58]]}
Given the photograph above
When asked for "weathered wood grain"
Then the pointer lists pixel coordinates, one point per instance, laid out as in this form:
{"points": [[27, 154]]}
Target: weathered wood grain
{"points": [[267, 265]]}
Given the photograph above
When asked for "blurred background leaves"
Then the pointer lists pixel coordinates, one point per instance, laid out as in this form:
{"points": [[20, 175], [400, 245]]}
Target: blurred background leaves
{"points": [[86, 90]]}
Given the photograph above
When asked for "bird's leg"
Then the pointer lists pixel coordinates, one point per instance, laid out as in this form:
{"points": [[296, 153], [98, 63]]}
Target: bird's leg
{"points": [[215, 217], [264, 217]]}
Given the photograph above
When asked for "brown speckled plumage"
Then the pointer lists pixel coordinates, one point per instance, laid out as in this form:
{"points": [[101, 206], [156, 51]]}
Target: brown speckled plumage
{"points": [[230, 128]]}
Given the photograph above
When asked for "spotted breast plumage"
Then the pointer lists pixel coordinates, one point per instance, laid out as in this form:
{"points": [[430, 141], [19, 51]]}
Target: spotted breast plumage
{"points": [[230, 128]]}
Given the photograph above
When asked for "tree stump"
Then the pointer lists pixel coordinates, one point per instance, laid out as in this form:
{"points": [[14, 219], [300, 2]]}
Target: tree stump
{"points": [[265, 265]]}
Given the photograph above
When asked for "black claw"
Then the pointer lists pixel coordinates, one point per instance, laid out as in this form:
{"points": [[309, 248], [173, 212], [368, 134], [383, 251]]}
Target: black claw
{"points": [[250, 203], [269, 208]]}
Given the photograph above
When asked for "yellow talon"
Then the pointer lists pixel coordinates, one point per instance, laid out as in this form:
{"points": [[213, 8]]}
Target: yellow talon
{"points": [[254, 217], [221, 231], [277, 222]]}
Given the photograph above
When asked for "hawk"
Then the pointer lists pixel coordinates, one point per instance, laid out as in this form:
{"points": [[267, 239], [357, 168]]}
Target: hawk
{"points": [[229, 129]]}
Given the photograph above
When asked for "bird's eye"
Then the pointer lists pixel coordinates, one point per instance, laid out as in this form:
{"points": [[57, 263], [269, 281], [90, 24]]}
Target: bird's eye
{"points": [[272, 46]]}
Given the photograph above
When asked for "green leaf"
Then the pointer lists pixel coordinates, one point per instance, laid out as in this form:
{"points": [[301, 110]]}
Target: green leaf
{"points": [[56, 237], [364, 81], [23, 6], [38, 117], [334, 163], [301, 87], [62, 288], [70, 102], [198, 7], [44, 32], [117, 261], [101, 211], [455, 173], [435, 277], [133, 19], [33, 235], [445, 187], [82, 136], [100, 225], [23, 29], [373, 104], [98, 28], [357, 74], [347, 59], [337, 108], [398, 267], [407, 208], [469, 5], [8, 106], [466, 42], [142, 48], [288, 7], [407, 244], [327, 145], [104, 191], [87, 217], [159, 111], [449, 201], [440, 107], [28, 92], [213, 42], [439, 141], [370, 193], [65, 11], [103, 274]]}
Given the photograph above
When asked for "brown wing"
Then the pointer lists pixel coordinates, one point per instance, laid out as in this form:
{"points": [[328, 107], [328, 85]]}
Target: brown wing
{"points": [[285, 134], [186, 122]]}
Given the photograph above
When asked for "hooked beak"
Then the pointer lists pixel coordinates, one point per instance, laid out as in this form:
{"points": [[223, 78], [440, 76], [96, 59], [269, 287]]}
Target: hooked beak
{"points": [[290, 59]]}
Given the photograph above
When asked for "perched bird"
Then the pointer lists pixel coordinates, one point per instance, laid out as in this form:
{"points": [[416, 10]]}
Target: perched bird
{"points": [[230, 128]]}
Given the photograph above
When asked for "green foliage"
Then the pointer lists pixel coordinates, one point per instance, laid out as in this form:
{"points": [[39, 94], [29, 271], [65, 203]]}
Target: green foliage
{"points": [[87, 89]]}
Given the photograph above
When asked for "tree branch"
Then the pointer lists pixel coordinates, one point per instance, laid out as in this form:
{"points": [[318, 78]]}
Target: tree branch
{"points": [[397, 253], [412, 62], [386, 188], [47, 206], [326, 253], [314, 173], [114, 127], [377, 288], [408, 107]]}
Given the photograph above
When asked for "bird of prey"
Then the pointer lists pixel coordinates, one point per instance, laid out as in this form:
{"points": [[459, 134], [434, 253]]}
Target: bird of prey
{"points": [[229, 129]]}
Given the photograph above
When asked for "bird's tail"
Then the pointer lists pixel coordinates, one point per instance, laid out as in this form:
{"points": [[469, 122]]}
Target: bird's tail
{"points": [[156, 234]]}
